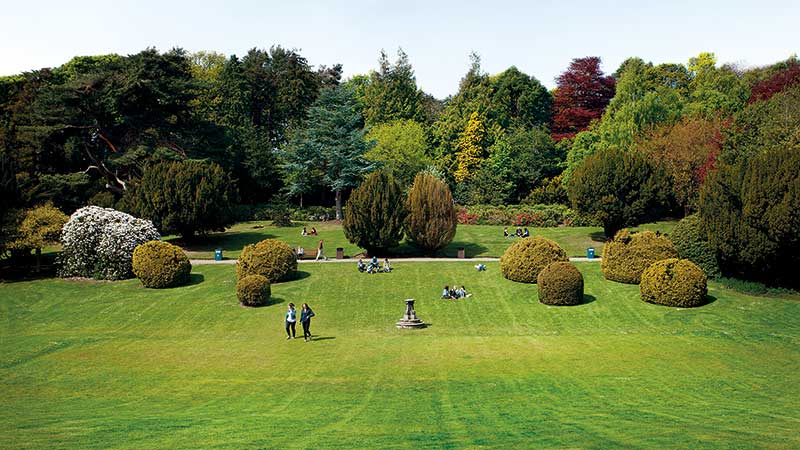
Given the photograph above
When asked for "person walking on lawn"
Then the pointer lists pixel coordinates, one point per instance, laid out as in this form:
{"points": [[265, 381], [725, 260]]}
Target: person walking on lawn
{"points": [[305, 319], [290, 320], [320, 252]]}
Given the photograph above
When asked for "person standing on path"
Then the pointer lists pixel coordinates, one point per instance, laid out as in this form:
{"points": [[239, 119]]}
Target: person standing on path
{"points": [[320, 252], [291, 319], [305, 319]]}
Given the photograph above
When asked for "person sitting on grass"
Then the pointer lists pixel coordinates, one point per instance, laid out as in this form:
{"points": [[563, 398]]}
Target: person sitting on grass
{"points": [[313, 231], [525, 232], [304, 232], [446, 292], [480, 267], [386, 267], [518, 232], [373, 265], [361, 266], [505, 232], [462, 292]]}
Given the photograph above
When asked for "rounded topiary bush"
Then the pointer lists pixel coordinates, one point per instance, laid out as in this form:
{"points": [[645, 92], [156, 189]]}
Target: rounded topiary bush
{"points": [[99, 243], [270, 258], [691, 241], [160, 265], [253, 290], [524, 259], [674, 282], [560, 283], [626, 257]]}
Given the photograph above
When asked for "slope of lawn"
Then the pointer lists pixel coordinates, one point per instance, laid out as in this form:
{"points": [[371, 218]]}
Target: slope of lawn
{"points": [[477, 240], [113, 365]]}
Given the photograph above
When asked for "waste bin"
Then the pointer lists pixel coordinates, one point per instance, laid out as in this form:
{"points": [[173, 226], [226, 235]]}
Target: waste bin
{"points": [[461, 252], [590, 252], [218, 254], [339, 253]]}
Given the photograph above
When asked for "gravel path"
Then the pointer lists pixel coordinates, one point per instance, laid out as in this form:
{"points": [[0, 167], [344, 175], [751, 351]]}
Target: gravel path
{"points": [[394, 260]]}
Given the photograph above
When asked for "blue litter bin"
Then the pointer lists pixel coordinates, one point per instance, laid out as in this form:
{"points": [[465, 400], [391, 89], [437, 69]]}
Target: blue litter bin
{"points": [[218, 254], [590, 252]]}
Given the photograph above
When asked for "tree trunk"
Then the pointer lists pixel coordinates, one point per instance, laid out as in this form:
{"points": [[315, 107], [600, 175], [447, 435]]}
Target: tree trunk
{"points": [[301, 201], [338, 204], [38, 260]]}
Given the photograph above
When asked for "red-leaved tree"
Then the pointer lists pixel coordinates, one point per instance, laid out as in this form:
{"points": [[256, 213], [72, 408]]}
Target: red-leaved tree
{"points": [[582, 94], [777, 82]]}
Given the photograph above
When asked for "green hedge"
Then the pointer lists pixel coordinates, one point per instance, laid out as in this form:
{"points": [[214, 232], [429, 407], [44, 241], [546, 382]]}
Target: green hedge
{"points": [[160, 265], [691, 241], [253, 290], [560, 283], [674, 282], [628, 255], [521, 215], [270, 258], [524, 259]]}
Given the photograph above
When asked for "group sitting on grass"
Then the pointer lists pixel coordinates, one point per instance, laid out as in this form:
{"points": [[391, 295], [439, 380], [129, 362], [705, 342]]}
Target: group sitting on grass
{"points": [[518, 233], [374, 266], [455, 293]]}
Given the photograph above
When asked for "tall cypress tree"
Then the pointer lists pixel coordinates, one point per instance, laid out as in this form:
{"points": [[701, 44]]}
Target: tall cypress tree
{"points": [[375, 214], [431, 222]]}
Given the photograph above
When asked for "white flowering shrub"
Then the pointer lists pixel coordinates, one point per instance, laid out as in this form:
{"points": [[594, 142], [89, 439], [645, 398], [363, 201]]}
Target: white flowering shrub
{"points": [[99, 242]]}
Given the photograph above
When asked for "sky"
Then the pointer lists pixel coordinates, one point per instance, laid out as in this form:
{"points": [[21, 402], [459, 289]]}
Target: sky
{"points": [[538, 37]]}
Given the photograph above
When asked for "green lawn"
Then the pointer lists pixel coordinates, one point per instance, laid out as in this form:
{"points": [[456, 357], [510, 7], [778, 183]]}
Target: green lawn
{"points": [[477, 240], [98, 365]]}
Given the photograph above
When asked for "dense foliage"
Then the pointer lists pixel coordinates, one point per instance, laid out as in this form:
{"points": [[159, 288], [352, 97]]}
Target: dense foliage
{"points": [[40, 226], [99, 243], [186, 197], [160, 265], [525, 258], [270, 258], [521, 216], [560, 283], [674, 282], [253, 290], [375, 214], [431, 222], [750, 210], [581, 96], [691, 241], [628, 255], [618, 189]]}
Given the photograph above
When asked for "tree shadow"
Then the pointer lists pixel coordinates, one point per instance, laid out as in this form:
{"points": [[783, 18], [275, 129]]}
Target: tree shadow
{"points": [[195, 279], [587, 298], [598, 236], [272, 301], [299, 275], [709, 300]]}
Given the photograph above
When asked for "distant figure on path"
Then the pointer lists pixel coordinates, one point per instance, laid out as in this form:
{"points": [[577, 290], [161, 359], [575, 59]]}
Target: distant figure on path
{"points": [[320, 251], [291, 319], [305, 319]]}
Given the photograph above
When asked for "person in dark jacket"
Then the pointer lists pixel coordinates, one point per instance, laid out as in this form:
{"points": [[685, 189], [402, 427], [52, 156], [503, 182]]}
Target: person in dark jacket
{"points": [[305, 319]]}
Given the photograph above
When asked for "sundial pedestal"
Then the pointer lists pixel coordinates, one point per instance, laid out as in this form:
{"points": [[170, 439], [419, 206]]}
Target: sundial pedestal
{"points": [[410, 319]]}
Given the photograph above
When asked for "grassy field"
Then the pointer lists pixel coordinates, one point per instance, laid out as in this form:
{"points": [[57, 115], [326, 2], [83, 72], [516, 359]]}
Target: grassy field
{"points": [[477, 240], [113, 365]]}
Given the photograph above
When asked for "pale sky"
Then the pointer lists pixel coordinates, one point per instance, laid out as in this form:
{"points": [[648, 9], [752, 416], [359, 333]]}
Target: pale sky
{"points": [[540, 38]]}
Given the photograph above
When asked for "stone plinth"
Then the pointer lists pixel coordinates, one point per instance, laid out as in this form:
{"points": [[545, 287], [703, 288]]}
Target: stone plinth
{"points": [[409, 319]]}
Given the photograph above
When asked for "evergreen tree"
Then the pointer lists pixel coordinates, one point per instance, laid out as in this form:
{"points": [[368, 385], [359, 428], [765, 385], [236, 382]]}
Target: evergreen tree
{"points": [[392, 93], [431, 222], [375, 214], [332, 145], [619, 189], [186, 197]]}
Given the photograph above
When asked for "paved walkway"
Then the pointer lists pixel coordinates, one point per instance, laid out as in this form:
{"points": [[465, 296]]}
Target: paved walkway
{"points": [[394, 260]]}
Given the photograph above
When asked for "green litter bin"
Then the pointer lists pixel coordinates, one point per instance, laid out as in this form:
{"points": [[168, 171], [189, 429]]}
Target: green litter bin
{"points": [[218, 254], [590, 252]]}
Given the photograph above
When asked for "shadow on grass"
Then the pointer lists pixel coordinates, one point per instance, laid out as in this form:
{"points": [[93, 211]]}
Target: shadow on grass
{"points": [[195, 279], [299, 275], [588, 298], [322, 338], [231, 240], [598, 236], [709, 300]]}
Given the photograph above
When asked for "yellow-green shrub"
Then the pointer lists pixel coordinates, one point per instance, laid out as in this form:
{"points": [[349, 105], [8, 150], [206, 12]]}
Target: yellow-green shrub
{"points": [[270, 258], [560, 283], [626, 257], [160, 265], [253, 290], [524, 259], [674, 282]]}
